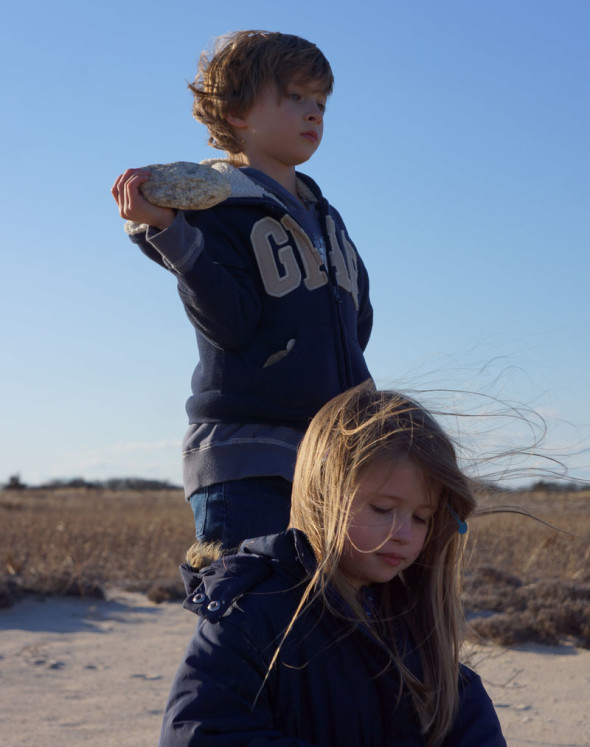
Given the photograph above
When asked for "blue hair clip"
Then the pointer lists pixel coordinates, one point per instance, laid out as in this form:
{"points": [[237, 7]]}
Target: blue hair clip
{"points": [[461, 524]]}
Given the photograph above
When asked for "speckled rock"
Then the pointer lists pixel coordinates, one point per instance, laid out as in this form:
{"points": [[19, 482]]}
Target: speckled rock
{"points": [[185, 186]]}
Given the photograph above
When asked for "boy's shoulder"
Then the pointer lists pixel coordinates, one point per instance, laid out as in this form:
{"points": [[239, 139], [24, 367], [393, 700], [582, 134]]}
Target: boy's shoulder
{"points": [[199, 188], [247, 183], [240, 185]]}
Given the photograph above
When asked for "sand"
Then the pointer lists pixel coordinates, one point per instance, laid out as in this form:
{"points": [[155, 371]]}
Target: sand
{"points": [[79, 671]]}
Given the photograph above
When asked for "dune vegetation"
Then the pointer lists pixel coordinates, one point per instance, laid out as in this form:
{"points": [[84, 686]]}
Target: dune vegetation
{"points": [[525, 581]]}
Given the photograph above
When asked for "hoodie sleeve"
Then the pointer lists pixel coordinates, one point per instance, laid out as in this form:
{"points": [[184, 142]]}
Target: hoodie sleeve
{"points": [[219, 697], [219, 292], [477, 722]]}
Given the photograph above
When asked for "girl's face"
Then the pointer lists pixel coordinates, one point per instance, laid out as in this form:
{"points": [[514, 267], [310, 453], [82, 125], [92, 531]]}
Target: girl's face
{"points": [[390, 516]]}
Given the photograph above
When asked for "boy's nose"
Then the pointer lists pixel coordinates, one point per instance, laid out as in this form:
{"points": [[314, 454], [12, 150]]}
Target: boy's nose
{"points": [[314, 114]]}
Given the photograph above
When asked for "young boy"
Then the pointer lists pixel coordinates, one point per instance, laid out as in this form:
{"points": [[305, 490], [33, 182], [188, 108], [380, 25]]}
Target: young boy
{"points": [[272, 283]]}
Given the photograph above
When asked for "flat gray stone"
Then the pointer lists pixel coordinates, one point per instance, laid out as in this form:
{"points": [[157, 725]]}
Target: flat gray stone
{"points": [[185, 186]]}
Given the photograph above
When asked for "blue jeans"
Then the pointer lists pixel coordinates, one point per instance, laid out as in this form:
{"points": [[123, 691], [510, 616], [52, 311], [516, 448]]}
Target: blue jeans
{"points": [[231, 512]]}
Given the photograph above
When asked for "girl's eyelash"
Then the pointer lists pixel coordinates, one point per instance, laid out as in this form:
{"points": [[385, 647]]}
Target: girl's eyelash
{"points": [[379, 510]]}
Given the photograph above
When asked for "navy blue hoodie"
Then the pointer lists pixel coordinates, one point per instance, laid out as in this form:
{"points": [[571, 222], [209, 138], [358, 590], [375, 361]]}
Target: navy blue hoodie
{"points": [[280, 330]]}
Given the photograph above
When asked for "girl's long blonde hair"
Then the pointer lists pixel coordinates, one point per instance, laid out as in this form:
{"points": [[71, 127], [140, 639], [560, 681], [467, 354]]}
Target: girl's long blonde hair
{"points": [[345, 438]]}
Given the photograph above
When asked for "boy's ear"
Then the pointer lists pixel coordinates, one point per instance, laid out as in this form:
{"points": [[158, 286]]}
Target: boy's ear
{"points": [[235, 121]]}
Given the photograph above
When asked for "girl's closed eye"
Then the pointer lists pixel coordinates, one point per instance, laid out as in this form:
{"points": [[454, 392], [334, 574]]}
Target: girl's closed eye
{"points": [[382, 510]]}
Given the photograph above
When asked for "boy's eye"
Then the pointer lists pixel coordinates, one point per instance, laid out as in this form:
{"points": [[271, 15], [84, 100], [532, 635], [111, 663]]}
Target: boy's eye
{"points": [[294, 96], [321, 106]]}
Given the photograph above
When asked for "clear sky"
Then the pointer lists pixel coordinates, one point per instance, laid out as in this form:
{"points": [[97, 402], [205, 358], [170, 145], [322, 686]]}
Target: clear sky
{"points": [[455, 146]]}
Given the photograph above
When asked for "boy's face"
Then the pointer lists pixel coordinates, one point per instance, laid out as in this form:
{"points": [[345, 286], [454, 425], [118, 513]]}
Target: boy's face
{"points": [[282, 131]]}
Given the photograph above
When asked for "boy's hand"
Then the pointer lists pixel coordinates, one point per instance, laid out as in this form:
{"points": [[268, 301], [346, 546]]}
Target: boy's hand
{"points": [[132, 204]]}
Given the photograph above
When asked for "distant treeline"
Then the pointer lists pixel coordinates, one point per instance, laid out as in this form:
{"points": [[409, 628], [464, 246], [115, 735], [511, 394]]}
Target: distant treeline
{"points": [[114, 483], [559, 487], [540, 486], [138, 483]]}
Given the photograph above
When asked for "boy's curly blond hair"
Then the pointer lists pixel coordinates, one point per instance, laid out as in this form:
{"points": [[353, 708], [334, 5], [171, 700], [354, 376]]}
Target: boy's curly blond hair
{"points": [[241, 64]]}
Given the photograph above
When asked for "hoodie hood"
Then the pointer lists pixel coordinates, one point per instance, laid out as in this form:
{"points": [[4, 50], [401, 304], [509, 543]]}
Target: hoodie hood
{"points": [[213, 589], [243, 186]]}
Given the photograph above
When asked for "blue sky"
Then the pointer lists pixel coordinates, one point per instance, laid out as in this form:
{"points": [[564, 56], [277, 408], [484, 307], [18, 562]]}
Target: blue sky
{"points": [[455, 146]]}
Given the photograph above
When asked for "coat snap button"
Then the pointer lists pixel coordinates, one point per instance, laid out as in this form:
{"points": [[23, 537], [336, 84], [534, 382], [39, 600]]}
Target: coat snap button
{"points": [[198, 598], [213, 606]]}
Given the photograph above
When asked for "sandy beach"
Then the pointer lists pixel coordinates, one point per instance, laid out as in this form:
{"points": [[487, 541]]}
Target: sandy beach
{"points": [[80, 671]]}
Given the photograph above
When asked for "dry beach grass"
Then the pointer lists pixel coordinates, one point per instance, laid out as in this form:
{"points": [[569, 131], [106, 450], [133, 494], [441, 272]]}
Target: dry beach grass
{"points": [[525, 582], [77, 541], [99, 669]]}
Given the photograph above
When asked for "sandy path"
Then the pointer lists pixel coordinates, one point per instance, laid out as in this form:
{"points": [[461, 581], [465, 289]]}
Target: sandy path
{"points": [[84, 672], [541, 693], [98, 673]]}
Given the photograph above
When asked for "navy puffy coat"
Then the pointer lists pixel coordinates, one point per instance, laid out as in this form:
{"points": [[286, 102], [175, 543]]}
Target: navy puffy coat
{"points": [[328, 687]]}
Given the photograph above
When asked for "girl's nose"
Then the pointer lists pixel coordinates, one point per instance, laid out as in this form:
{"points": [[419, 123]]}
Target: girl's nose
{"points": [[402, 529]]}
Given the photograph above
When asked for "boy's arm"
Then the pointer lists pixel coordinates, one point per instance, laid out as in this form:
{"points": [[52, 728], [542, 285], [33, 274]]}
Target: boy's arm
{"points": [[220, 298], [216, 283], [365, 315]]}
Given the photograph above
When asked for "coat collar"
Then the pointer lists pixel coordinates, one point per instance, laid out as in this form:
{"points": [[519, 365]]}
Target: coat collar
{"points": [[213, 589]]}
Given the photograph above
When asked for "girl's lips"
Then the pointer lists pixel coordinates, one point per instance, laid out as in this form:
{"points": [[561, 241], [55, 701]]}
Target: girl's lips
{"points": [[390, 558]]}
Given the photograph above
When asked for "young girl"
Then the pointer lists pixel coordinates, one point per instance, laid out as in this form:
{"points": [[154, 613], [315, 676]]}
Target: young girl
{"points": [[346, 628]]}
